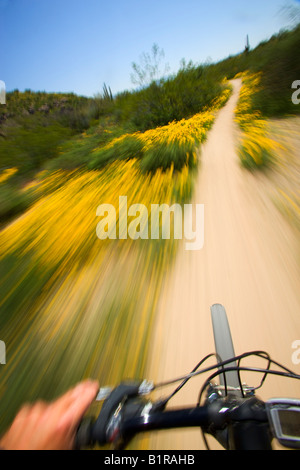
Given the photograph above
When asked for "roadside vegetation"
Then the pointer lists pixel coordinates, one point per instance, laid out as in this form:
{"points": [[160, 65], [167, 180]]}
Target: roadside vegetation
{"points": [[276, 60], [269, 118], [257, 149]]}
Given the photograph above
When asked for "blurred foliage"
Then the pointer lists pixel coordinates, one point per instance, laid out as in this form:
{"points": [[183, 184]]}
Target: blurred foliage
{"points": [[166, 100], [286, 171], [76, 152], [123, 148], [173, 145], [12, 201], [34, 124], [256, 149], [164, 155], [31, 142], [71, 304], [281, 69]]}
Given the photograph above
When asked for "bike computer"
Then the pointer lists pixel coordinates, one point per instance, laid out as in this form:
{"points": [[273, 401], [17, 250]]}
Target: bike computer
{"points": [[284, 418]]}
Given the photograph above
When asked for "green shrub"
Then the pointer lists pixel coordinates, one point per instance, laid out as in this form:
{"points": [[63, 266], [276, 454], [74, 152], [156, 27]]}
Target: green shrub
{"points": [[175, 98], [164, 155], [13, 201], [28, 145], [74, 153], [124, 148], [260, 158]]}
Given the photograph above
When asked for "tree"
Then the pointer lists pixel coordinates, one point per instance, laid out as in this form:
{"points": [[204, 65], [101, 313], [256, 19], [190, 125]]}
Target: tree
{"points": [[149, 67]]}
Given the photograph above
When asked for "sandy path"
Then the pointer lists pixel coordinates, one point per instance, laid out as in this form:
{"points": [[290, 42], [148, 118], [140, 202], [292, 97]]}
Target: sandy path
{"points": [[248, 263]]}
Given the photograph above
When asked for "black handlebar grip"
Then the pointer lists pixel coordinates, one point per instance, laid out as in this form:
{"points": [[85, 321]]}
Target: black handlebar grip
{"points": [[84, 435], [123, 391]]}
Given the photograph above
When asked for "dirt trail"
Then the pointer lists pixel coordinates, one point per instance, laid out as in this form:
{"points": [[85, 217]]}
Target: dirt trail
{"points": [[248, 263]]}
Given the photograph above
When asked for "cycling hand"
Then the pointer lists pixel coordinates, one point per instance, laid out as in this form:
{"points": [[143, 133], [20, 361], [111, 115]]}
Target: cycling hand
{"points": [[50, 426]]}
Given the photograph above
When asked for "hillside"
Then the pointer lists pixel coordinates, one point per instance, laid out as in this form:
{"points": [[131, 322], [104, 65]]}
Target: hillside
{"points": [[277, 60]]}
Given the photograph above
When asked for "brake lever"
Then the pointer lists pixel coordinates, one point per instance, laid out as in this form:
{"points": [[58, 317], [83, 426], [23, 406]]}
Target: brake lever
{"points": [[145, 388], [93, 430]]}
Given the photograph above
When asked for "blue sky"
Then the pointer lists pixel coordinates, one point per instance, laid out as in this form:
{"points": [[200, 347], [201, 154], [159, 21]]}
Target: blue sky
{"points": [[77, 45]]}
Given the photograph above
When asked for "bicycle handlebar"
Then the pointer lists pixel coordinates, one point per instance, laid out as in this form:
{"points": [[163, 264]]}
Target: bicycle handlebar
{"points": [[119, 423], [236, 420], [231, 413]]}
